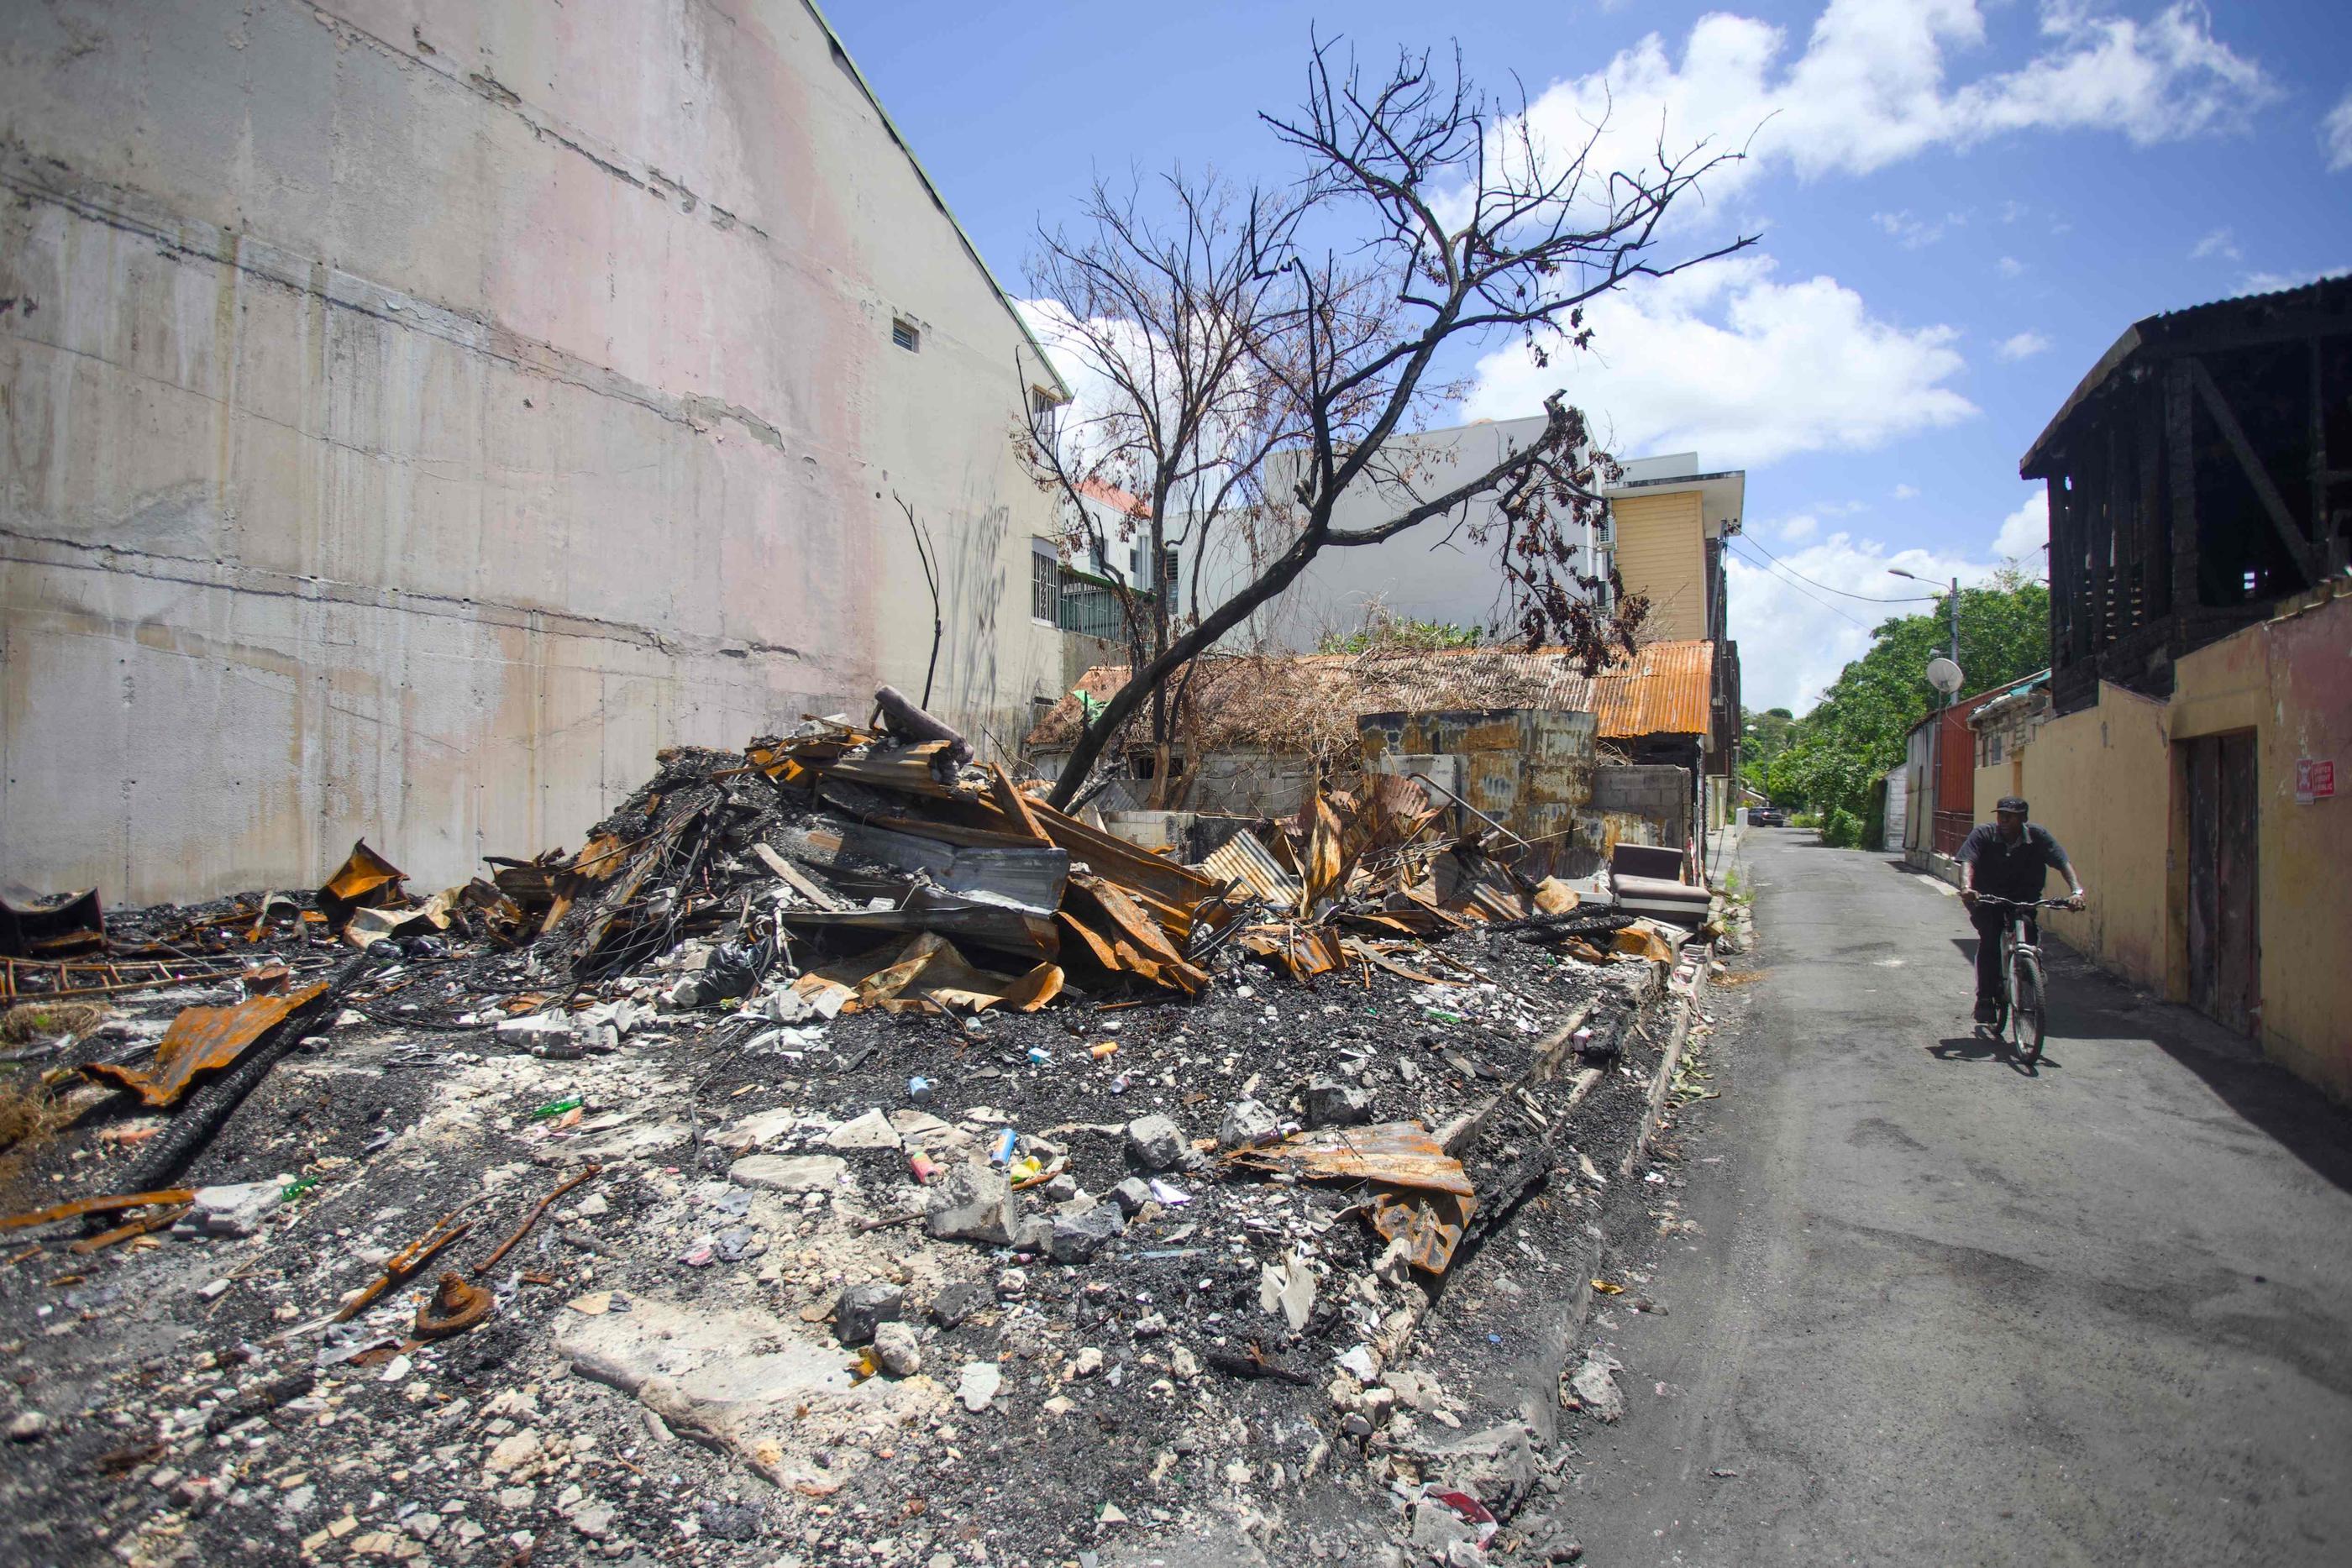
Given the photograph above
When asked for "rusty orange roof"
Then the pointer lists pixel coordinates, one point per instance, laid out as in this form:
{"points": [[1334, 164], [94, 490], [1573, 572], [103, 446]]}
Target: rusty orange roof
{"points": [[1310, 702]]}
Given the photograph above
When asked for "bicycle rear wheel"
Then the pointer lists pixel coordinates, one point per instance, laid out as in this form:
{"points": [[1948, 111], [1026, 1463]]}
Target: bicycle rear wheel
{"points": [[2025, 1015]]}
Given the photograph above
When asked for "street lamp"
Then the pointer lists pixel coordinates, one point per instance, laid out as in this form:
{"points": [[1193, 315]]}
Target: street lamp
{"points": [[1955, 602]]}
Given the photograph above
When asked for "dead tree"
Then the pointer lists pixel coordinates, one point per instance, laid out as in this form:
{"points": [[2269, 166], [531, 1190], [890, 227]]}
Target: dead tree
{"points": [[1263, 352]]}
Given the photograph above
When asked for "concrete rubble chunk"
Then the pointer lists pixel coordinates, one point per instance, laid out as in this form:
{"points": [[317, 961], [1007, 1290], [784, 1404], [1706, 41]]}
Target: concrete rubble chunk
{"points": [[238, 1209], [973, 1203], [978, 1384], [863, 1309], [1490, 1464], [1131, 1195], [1247, 1124], [1594, 1385], [1362, 1363], [789, 1173], [1332, 1103], [871, 1131], [1290, 1286], [1155, 1143], [1436, 1528], [1079, 1234], [896, 1349], [956, 1304]]}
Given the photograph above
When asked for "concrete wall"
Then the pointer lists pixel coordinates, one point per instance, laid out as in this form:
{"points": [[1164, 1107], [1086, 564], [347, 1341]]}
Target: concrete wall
{"points": [[2108, 781], [1530, 770], [1662, 552], [1433, 572], [2101, 780], [1656, 792], [416, 412]]}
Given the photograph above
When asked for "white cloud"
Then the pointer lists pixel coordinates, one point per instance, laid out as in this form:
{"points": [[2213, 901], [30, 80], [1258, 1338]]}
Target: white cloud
{"points": [[1795, 634], [2010, 266], [1871, 87], [2336, 135], [2023, 346], [1915, 234], [2025, 531], [1800, 528], [1745, 369], [2218, 243], [2012, 211], [2272, 282], [1906, 492]]}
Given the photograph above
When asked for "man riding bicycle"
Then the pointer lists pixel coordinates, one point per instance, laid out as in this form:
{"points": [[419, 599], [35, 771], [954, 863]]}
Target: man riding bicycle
{"points": [[2007, 858]]}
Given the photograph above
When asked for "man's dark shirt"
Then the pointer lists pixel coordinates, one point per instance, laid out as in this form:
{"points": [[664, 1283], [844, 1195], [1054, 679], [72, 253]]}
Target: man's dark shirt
{"points": [[2011, 871]]}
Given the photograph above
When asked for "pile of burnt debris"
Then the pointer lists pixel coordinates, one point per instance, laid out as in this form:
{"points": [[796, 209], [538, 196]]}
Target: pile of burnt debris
{"points": [[842, 1156]]}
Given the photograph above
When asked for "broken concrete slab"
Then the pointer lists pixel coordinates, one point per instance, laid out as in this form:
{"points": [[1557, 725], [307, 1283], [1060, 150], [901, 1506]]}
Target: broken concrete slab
{"points": [[756, 1131], [746, 1381], [871, 1131], [790, 1173]]}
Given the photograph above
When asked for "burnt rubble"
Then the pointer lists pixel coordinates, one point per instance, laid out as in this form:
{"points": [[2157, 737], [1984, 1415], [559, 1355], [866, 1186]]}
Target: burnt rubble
{"points": [[841, 1158]]}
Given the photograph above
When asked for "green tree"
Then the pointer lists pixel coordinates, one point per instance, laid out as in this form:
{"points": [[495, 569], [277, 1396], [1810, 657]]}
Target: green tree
{"points": [[1762, 737], [1855, 733]]}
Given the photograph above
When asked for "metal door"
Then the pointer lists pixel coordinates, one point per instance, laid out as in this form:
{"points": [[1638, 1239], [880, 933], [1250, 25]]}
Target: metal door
{"points": [[2224, 939]]}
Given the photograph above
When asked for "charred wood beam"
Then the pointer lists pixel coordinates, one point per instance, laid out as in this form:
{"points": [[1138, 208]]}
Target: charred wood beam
{"points": [[2155, 582], [2319, 529], [2297, 546], [2180, 461]]}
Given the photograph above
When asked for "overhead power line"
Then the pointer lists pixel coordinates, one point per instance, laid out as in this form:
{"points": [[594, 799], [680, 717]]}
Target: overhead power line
{"points": [[1766, 568], [1865, 597]]}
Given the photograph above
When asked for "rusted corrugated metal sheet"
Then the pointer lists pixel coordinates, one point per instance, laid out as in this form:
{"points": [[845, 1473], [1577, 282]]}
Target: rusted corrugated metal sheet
{"points": [[1663, 690]]}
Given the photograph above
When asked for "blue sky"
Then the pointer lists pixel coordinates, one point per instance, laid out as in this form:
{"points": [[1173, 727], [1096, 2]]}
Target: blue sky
{"points": [[1961, 204]]}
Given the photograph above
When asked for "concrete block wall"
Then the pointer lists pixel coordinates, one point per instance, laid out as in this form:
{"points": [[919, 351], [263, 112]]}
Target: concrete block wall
{"points": [[1658, 792], [415, 412]]}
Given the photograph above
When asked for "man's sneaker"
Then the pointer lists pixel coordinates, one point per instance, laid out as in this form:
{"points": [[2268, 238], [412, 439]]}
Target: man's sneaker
{"points": [[1988, 1012]]}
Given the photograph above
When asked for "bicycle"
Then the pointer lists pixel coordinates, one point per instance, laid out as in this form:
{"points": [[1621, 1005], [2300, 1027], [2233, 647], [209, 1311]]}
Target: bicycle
{"points": [[2024, 994]]}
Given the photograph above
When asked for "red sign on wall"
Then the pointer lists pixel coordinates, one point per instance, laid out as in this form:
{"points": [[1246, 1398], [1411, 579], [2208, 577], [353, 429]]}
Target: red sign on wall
{"points": [[2315, 780]]}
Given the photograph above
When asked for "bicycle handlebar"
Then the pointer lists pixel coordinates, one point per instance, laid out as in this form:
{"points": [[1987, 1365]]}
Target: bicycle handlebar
{"points": [[2025, 903]]}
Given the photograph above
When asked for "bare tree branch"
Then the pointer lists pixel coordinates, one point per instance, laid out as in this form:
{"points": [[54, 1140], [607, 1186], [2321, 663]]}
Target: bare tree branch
{"points": [[1269, 350]]}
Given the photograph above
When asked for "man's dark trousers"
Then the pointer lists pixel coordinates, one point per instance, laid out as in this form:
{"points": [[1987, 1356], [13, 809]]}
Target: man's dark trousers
{"points": [[1989, 919]]}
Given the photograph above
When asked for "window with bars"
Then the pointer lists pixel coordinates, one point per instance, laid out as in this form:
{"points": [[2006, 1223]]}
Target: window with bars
{"points": [[906, 334], [1044, 585]]}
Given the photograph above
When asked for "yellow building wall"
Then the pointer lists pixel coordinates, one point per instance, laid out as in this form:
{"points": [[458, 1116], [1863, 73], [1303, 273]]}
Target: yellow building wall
{"points": [[2290, 681], [1661, 555], [2101, 780], [2107, 782]]}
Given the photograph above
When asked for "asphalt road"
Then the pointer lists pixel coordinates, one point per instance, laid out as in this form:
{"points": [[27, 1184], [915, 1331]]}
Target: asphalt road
{"points": [[1942, 1312]]}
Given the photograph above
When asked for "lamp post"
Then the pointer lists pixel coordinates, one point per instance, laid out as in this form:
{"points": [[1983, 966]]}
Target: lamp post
{"points": [[1953, 600]]}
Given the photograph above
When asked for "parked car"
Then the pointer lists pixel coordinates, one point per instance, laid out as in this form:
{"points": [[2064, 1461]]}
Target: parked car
{"points": [[1766, 817]]}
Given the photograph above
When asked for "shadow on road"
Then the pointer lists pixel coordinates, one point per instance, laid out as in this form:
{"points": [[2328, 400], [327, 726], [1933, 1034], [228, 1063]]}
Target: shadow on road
{"points": [[1977, 1048], [2086, 1004]]}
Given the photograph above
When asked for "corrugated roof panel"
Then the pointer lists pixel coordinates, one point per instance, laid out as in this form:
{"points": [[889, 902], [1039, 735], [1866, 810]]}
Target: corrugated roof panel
{"points": [[1666, 689]]}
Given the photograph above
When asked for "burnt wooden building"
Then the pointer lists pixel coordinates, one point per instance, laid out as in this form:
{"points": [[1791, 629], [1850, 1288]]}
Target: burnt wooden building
{"points": [[2200, 474]]}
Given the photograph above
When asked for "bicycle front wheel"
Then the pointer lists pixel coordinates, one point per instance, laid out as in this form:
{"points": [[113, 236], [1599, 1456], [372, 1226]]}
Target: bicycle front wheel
{"points": [[2025, 1014]]}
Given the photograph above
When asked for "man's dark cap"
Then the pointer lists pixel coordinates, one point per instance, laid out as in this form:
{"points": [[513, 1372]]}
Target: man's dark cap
{"points": [[2010, 803]]}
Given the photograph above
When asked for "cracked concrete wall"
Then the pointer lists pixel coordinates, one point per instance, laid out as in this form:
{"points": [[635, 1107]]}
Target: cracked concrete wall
{"points": [[414, 412]]}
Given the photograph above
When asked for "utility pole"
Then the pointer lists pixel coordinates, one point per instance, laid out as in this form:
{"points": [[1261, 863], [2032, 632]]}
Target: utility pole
{"points": [[1955, 602]]}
